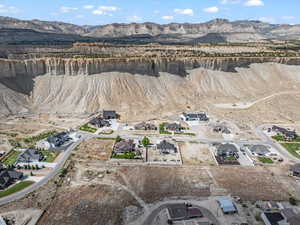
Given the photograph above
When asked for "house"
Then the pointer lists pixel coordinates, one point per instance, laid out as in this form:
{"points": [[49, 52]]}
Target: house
{"points": [[166, 148], [124, 146], [226, 204], [29, 156], [100, 122], [292, 216], [182, 211], [2, 221], [145, 126], [221, 129], [175, 127], [287, 134], [274, 218], [58, 140], [109, 115], [9, 177], [260, 150], [227, 150], [194, 116], [295, 170]]}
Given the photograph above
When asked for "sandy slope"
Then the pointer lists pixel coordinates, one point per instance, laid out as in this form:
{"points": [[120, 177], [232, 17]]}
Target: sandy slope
{"points": [[139, 96]]}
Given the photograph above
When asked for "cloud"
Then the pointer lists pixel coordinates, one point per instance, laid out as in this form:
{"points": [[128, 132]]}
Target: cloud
{"points": [[105, 10], [267, 19], [254, 3], [134, 19], [288, 17], [225, 2], [8, 9], [213, 9], [167, 17], [88, 6], [188, 12], [65, 9]]}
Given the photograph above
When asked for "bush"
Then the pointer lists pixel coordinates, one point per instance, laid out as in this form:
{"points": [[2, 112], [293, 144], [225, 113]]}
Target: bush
{"points": [[292, 201], [118, 139]]}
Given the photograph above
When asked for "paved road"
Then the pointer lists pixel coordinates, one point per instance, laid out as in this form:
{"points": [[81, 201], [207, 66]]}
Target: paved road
{"points": [[85, 136], [51, 174]]}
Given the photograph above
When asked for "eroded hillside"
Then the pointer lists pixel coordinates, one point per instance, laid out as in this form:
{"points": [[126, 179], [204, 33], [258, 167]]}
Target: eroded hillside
{"points": [[156, 81]]}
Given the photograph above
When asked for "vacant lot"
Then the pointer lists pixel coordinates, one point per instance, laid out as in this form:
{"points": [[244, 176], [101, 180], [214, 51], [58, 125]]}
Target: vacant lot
{"points": [[250, 183], [196, 154], [95, 149], [99, 204], [156, 183]]}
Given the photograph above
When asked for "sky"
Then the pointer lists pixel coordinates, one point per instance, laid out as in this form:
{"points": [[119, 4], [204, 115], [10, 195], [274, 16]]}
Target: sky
{"points": [[99, 12]]}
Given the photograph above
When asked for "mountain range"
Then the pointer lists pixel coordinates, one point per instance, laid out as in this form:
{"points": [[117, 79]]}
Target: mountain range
{"points": [[218, 30]]}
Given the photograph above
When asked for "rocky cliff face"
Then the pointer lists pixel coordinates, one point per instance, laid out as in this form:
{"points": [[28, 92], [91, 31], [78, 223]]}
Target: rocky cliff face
{"points": [[215, 30], [152, 67]]}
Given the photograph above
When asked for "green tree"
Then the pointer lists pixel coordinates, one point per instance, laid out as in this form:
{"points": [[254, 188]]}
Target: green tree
{"points": [[145, 141], [118, 139]]}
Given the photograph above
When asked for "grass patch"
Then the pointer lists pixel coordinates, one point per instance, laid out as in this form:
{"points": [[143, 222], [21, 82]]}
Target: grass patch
{"points": [[278, 138], [265, 160], [11, 158], [87, 128], [162, 129], [129, 155], [17, 187], [49, 156], [188, 134], [230, 158], [39, 137], [292, 148], [282, 139]]}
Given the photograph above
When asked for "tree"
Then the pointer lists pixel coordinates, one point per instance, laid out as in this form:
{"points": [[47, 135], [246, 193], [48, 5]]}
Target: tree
{"points": [[118, 139], [145, 141]]}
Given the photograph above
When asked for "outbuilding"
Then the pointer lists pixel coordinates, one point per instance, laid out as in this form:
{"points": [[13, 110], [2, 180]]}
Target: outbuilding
{"points": [[226, 204]]}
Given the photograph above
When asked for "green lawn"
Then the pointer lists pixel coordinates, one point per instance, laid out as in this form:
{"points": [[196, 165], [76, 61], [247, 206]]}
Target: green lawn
{"points": [[87, 128], [282, 139], [130, 155], [17, 187], [278, 138], [188, 134], [292, 148], [162, 129], [11, 158], [265, 160], [50, 156]]}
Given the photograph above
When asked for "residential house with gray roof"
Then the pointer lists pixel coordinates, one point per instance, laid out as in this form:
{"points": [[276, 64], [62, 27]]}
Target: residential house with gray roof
{"points": [[166, 147], [29, 156]]}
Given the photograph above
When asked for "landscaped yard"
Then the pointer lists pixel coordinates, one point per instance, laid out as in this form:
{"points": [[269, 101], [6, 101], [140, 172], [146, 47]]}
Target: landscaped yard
{"points": [[162, 129], [87, 128], [188, 134], [265, 160], [278, 138], [50, 156], [11, 158], [17, 187], [282, 139], [292, 148]]}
